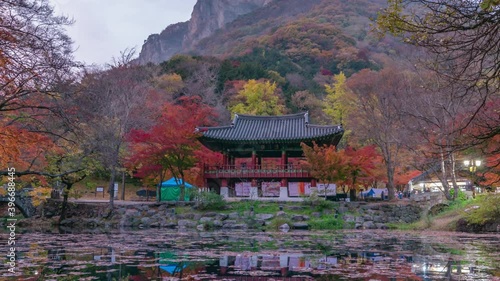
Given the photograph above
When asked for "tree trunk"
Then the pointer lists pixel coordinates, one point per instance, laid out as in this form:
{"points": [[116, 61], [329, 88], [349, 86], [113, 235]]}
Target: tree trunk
{"points": [[65, 203], [453, 176], [123, 186], [112, 189], [390, 181], [182, 188], [444, 179]]}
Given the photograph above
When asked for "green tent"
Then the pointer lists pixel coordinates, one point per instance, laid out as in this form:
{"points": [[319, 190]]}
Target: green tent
{"points": [[170, 190]]}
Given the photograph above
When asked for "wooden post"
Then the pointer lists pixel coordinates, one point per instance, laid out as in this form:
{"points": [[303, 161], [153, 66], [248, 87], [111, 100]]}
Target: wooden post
{"points": [[254, 162], [123, 185]]}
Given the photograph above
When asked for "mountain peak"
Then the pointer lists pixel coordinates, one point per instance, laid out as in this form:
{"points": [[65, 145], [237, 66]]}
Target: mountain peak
{"points": [[207, 17]]}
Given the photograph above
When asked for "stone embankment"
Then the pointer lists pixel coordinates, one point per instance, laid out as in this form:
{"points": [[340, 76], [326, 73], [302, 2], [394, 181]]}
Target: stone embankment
{"points": [[184, 215]]}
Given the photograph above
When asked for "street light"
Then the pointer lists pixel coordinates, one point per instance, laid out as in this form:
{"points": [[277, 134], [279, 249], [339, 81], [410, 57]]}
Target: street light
{"points": [[472, 167]]}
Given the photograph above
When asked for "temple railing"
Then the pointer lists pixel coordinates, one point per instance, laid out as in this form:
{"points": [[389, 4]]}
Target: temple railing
{"points": [[272, 171]]}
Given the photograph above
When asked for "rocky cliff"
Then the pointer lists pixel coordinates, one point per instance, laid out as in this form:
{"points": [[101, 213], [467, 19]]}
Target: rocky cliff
{"points": [[207, 17], [161, 47]]}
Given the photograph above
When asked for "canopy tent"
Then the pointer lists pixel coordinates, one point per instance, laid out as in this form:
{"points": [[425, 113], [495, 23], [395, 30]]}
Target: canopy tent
{"points": [[171, 190], [375, 193]]}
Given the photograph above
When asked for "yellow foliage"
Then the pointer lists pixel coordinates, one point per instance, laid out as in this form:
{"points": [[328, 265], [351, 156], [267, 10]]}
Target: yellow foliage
{"points": [[169, 82], [336, 101], [258, 98], [39, 195]]}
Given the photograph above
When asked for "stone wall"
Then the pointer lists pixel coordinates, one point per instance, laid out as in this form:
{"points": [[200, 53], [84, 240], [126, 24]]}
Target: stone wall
{"points": [[359, 215], [378, 215]]}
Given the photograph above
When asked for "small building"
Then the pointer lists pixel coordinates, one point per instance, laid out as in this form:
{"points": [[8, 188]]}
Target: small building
{"points": [[261, 155]]}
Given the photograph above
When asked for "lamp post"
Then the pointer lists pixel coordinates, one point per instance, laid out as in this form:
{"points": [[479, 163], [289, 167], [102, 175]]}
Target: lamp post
{"points": [[472, 165]]}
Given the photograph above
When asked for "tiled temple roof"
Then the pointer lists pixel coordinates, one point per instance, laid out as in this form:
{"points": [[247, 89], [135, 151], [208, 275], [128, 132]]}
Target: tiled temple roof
{"points": [[265, 129]]}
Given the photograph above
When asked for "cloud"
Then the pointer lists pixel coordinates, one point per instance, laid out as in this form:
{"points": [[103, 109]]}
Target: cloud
{"points": [[104, 28]]}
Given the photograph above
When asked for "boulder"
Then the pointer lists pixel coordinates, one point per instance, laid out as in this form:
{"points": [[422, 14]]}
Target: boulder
{"points": [[369, 225], [264, 217], [300, 218], [186, 223], [280, 214], [145, 221], [234, 215], [300, 225], [210, 214], [168, 224], [284, 227], [234, 225], [206, 220], [316, 214], [217, 223], [349, 218], [221, 217]]}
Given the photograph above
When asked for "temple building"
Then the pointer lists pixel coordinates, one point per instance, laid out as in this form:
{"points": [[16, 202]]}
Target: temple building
{"points": [[262, 156]]}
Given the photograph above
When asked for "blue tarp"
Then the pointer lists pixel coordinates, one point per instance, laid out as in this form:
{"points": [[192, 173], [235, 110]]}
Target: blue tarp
{"points": [[172, 183], [170, 190]]}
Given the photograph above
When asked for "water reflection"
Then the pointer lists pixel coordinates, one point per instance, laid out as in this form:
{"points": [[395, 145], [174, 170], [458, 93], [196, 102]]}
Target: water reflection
{"points": [[170, 255]]}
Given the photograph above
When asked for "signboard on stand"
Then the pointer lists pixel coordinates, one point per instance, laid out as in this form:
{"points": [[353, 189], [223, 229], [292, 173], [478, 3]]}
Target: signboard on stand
{"points": [[99, 189]]}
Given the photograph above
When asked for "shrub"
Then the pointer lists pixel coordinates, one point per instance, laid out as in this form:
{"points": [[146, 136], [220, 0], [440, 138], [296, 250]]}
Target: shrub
{"points": [[462, 196], [277, 222], [209, 201], [488, 209]]}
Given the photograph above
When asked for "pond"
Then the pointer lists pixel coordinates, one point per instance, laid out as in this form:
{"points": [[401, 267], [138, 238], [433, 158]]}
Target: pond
{"points": [[158, 254]]}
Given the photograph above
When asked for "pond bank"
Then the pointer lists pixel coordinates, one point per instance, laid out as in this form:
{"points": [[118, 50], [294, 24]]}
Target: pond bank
{"points": [[238, 215]]}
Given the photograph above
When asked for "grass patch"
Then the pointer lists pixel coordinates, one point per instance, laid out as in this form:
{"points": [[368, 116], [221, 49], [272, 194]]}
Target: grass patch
{"points": [[326, 223], [269, 245]]}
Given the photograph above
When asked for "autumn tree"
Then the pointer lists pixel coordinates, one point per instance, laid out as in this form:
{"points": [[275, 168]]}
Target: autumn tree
{"points": [[111, 103], [70, 164], [170, 146], [462, 38], [435, 118], [376, 118], [360, 164], [258, 98], [325, 163], [35, 55], [307, 101], [336, 100]]}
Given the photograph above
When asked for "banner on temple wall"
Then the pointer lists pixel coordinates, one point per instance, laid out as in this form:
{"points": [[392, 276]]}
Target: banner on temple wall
{"points": [[271, 189], [243, 189], [296, 189], [331, 189]]}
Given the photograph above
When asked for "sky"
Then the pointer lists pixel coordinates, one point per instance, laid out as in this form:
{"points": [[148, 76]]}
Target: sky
{"points": [[103, 28]]}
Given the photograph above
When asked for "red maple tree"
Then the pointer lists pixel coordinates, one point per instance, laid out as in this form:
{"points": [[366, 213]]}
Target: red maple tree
{"points": [[170, 146]]}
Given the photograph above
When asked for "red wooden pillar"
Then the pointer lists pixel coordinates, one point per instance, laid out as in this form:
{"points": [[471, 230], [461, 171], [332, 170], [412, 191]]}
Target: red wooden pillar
{"points": [[224, 160], [284, 158], [313, 183], [284, 182], [254, 158]]}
